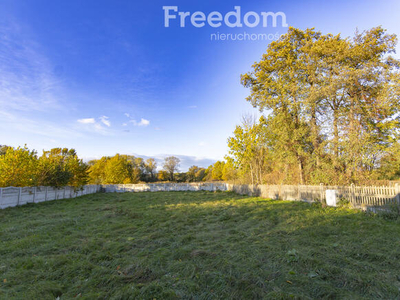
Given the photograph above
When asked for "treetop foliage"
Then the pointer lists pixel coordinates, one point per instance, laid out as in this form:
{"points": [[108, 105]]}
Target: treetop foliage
{"points": [[57, 167], [331, 104]]}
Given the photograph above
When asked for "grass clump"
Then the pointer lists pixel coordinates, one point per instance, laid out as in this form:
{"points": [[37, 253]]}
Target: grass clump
{"points": [[195, 245]]}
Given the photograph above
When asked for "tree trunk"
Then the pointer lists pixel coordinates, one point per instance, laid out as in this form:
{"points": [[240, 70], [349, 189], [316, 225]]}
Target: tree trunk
{"points": [[251, 173], [315, 139], [336, 133], [352, 139], [301, 174]]}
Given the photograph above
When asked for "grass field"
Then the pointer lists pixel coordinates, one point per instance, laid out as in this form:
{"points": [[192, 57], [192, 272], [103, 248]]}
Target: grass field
{"points": [[195, 245]]}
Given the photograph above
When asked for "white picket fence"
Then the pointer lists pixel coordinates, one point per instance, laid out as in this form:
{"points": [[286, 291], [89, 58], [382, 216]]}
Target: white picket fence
{"points": [[14, 196], [357, 196]]}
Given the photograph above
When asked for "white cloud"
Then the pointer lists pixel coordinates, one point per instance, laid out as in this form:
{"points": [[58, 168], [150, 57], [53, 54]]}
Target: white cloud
{"points": [[98, 127], [192, 106], [105, 121], [87, 121], [127, 115], [91, 125], [144, 122]]}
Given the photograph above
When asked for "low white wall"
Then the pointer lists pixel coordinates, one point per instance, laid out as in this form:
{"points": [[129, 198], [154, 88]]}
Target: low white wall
{"points": [[13, 196], [165, 187], [357, 196], [284, 192]]}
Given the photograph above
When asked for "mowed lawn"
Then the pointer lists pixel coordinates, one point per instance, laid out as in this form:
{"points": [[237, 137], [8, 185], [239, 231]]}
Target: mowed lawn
{"points": [[195, 245]]}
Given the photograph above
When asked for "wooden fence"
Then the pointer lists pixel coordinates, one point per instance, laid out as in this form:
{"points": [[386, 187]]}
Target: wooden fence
{"points": [[357, 196]]}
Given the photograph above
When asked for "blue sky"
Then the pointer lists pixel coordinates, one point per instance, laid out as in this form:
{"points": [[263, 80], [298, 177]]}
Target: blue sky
{"points": [[108, 77]]}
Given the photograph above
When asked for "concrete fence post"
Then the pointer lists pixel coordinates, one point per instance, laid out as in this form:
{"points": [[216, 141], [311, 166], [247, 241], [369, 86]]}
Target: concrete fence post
{"points": [[321, 191], [19, 195], [1, 197], [397, 191], [45, 194], [298, 192], [34, 194]]}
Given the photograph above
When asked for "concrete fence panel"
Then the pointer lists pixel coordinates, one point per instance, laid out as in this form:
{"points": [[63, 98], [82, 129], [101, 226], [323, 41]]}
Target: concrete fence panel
{"points": [[14, 196], [358, 196]]}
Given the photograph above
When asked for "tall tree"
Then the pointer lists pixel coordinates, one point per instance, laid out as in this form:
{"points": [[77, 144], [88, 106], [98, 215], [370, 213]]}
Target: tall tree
{"points": [[171, 165], [96, 171], [371, 80], [191, 173], [217, 170], [78, 169], [60, 167], [163, 175], [151, 168], [200, 174], [118, 170], [18, 167], [248, 148], [280, 83], [137, 168], [229, 171], [332, 102]]}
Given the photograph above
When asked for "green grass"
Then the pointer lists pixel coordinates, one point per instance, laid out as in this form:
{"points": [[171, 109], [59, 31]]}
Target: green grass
{"points": [[195, 245]]}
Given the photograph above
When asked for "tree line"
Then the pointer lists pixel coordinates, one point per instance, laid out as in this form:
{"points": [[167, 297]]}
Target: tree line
{"points": [[57, 167], [60, 167], [331, 108], [130, 169]]}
